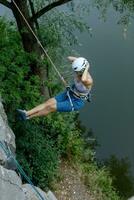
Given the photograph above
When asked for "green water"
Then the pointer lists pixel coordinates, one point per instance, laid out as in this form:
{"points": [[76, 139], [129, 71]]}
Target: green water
{"points": [[110, 116]]}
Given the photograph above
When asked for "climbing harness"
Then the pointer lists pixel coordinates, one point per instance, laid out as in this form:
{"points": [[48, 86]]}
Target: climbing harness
{"points": [[86, 97], [68, 89], [5, 147]]}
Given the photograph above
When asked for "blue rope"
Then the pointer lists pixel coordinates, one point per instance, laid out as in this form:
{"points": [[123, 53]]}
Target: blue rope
{"points": [[4, 149], [9, 154]]}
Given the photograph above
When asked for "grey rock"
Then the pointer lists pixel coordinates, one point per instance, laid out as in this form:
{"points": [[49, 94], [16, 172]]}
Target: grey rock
{"points": [[10, 164], [51, 196], [10, 185], [6, 134], [131, 198], [31, 194]]}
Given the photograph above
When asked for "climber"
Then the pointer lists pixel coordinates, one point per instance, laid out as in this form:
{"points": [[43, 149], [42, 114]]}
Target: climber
{"points": [[71, 99]]}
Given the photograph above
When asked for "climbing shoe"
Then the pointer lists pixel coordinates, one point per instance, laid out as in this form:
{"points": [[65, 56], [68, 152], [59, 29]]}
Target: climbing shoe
{"points": [[22, 114]]}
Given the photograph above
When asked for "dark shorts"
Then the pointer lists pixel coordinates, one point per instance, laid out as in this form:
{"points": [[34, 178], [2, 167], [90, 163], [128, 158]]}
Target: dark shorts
{"points": [[64, 105]]}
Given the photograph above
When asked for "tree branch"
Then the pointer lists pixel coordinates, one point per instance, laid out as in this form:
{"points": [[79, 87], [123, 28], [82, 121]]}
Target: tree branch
{"points": [[48, 7], [33, 13], [6, 3]]}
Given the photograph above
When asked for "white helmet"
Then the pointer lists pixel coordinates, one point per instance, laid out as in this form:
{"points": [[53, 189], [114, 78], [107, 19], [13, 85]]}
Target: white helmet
{"points": [[79, 64]]}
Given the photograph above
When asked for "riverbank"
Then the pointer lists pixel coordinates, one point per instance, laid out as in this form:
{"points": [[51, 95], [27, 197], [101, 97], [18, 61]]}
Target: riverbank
{"points": [[79, 181], [70, 185]]}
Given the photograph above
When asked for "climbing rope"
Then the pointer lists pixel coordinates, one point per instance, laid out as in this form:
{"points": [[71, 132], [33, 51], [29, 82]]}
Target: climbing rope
{"points": [[61, 77], [10, 155]]}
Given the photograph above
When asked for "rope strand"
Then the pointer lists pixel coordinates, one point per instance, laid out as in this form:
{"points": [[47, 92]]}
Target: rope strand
{"points": [[52, 63]]}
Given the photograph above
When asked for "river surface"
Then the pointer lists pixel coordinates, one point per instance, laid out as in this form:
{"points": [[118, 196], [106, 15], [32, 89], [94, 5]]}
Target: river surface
{"points": [[111, 113], [110, 116], [110, 51]]}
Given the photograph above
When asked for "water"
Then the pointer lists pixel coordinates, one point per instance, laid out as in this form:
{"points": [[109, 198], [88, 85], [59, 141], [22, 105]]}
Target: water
{"points": [[110, 116]]}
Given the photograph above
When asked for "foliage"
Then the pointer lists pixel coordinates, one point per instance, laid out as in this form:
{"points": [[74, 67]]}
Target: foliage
{"points": [[37, 152], [14, 71], [42, 142], [124, 7], [39, 148], [122, 179], [98, 181], [18, 90]]}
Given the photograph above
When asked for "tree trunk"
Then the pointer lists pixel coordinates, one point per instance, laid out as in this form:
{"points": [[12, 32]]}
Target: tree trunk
{"points": [[30, 44]]}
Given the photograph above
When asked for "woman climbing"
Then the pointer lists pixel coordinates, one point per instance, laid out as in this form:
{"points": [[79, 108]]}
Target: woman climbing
{"points": [[70, 100]]}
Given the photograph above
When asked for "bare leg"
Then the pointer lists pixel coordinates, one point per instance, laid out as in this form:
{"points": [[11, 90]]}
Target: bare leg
{"points": [[43, 109], [36, 109]]}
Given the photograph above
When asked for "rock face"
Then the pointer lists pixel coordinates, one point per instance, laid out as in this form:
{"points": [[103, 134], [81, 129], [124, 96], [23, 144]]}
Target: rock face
{"points": [[6, 134], [11, 187]]}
